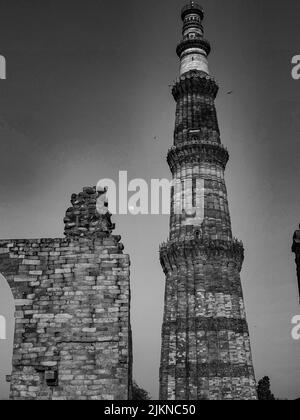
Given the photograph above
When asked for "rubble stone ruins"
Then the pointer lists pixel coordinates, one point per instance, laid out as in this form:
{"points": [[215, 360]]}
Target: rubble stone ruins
{"points": [[72, 321]]}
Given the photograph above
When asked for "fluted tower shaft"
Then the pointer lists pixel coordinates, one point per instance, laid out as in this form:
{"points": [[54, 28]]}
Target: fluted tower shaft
{"points": [[205, 339]]}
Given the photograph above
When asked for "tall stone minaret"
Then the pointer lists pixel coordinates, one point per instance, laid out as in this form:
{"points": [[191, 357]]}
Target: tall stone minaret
{"points": [[205, 339]]}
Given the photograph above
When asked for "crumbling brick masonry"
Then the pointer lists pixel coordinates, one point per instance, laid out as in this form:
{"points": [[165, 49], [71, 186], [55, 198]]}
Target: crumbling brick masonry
{"points": [[72, 322]]}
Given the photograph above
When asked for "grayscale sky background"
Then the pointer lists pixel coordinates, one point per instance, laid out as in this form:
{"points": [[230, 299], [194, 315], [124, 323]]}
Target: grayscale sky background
{"points": [[87, 92]]}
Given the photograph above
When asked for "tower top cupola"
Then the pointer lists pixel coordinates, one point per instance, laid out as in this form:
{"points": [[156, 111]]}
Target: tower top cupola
{"points": [[192, 7], [193, 50]]}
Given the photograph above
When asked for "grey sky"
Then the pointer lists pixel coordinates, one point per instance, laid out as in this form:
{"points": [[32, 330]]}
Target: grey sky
{"points": [[87, 92]]}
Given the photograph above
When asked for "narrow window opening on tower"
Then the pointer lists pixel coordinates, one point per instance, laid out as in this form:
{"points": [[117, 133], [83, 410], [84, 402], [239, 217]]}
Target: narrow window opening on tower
{"points": [[194, 189], [182, 195], [172, 199]]}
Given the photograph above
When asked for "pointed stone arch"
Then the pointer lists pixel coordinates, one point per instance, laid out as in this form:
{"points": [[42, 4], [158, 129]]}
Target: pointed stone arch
{"points": [[7, 327]]}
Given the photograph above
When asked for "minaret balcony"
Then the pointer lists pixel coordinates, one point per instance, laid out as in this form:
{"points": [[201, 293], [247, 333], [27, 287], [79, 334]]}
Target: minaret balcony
{"points": [[195, 246], [195, 81], [200, 43], [197, 152]]}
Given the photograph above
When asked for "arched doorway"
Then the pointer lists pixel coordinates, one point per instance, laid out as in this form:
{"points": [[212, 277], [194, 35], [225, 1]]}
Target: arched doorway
{"points": [[7, 325]]}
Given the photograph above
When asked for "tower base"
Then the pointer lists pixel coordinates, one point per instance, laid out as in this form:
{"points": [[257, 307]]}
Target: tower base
{"points": [[206, 351]]}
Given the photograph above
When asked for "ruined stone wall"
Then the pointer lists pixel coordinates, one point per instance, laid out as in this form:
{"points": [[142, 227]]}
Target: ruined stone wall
{"points": [[72, 320]]}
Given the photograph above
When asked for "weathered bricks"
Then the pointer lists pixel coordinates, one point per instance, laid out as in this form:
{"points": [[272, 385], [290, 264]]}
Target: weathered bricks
{"points": [[72, 316]]}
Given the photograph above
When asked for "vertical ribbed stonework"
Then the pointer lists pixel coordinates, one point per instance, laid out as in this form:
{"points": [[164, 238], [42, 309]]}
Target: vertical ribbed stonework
{"points": [[205, 339]]}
